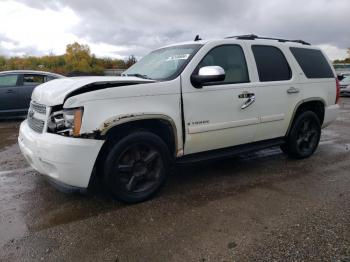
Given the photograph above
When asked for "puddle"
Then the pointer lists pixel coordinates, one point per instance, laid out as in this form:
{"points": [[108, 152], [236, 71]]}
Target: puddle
{"points": [[15, 171], [12, 220]]}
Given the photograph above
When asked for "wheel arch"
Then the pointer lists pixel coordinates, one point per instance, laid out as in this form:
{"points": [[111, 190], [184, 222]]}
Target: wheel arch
{"points": [[162, 125], [314, 104], [117, 127]]}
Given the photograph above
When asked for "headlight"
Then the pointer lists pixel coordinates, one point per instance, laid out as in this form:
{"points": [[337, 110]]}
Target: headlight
{"points": [[72, 119], [66, 122]]}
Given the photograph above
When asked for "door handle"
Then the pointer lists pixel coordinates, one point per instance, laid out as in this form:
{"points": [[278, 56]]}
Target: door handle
{"points": [[245, 94], [10, 91], [249, 101], [293, 90]]}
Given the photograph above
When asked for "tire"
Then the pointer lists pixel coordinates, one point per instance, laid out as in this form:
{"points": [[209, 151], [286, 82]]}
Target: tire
{"points": [[136, 166], [303, 137]]}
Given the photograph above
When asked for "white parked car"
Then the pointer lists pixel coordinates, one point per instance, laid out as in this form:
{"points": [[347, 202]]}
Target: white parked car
{"points": [[181, 103], [345, 86]]}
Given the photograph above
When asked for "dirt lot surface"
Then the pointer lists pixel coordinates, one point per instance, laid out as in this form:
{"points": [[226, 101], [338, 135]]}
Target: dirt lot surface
{"points": [[260, 206]]}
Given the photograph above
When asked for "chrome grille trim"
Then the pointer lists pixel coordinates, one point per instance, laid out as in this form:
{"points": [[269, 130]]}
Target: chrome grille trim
{"points": [[38, 108], [36, 124], [37, 115]]}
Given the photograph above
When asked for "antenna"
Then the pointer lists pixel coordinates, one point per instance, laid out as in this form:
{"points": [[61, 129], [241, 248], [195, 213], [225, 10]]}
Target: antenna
{"points": [[197, 38]]}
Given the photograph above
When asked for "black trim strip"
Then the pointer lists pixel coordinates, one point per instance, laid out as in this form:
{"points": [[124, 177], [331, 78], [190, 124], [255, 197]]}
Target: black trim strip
{"points": [[182, 116], [229, 151]]}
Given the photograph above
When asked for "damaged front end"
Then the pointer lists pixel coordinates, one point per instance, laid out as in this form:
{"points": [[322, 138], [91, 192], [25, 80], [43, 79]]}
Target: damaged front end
{"points": [[66, 122]]}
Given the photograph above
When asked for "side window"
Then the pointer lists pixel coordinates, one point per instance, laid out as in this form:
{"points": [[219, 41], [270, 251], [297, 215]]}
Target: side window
{"points": [[8, 80], [30, 79], [49, 78], [271, 63], [231, 59], [312, 62]]}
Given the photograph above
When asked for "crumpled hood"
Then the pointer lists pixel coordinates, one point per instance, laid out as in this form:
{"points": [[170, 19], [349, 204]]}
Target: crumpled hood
{"points": [[54, 92]]}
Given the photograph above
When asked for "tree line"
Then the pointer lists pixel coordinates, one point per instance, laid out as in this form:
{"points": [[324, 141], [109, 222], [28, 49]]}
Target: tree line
{"points": [[78, 59], [346, 60]]}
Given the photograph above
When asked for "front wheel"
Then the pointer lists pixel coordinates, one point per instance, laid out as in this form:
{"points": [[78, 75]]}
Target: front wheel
{"points": [[136, 166], [304, 136]]}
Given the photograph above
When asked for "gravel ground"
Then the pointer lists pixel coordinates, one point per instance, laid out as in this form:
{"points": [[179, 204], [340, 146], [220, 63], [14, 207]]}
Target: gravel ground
{"points": [[260, 206]]}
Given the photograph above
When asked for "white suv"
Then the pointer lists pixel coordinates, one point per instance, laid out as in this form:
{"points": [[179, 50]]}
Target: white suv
{"points": [[181, 103]]}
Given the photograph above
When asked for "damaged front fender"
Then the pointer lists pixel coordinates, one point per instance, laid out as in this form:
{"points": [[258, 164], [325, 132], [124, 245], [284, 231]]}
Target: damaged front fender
{"points": [[118, 120]]}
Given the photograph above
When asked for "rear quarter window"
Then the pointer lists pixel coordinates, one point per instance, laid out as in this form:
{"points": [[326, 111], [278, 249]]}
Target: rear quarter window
{"points": [[312, 62], [30, 79], [49, 78]]}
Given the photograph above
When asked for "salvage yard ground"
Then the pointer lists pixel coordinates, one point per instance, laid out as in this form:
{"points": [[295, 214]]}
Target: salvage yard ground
{"points": [[258, 206]]}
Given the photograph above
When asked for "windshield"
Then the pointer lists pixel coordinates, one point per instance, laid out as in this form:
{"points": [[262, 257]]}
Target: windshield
{"points": [[163, 64]]}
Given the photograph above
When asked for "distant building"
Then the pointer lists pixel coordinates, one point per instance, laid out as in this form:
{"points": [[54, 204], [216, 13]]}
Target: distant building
{"points": [[113, 72]]}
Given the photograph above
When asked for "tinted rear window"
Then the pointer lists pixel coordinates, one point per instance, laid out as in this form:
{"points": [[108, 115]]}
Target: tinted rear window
{"points": [[312, 62], [271, 63]]}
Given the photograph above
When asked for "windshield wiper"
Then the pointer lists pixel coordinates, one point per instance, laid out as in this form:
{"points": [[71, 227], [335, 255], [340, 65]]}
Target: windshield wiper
{"points": [[138, 75]]}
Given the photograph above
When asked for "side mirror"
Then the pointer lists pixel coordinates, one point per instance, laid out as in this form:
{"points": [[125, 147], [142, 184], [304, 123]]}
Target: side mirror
{"points": [[208, 74]]}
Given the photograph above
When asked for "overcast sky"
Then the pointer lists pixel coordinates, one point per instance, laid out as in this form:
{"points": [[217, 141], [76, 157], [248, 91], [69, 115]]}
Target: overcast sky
{"points": [[120, 28]]}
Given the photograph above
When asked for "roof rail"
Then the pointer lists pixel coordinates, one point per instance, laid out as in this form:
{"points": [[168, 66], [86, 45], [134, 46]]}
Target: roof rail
{"points": [[253, 37]]}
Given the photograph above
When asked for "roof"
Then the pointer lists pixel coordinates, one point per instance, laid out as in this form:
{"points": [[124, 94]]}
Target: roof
{"points": [[246, 38], [30, 72]]}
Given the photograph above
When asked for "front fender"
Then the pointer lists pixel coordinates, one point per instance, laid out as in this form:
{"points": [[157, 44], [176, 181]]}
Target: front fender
{"points": [[122, 119]]}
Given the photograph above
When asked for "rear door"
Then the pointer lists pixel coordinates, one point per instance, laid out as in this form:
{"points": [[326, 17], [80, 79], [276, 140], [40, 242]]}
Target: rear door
{"points": [[277, 87], [8, 92], [27, 84]]}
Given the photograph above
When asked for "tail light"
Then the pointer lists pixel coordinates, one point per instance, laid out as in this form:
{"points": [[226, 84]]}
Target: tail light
{"points": [[338, 90]]}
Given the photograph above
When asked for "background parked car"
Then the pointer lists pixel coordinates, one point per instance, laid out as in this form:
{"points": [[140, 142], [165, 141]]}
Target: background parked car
{"points": [[345, 86], [341, 76], [16, 88]]}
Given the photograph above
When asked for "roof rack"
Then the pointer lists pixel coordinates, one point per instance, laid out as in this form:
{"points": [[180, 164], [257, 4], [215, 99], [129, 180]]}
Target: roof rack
{"points": [[253, 37]]}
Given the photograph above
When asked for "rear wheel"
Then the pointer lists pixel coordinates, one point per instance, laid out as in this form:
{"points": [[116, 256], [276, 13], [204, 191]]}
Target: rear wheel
{"points": [[136, 167], [304, 136]]}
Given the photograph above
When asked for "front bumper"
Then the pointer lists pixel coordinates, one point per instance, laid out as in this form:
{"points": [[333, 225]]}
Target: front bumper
{"points": [[67, 160], [330, 114]]}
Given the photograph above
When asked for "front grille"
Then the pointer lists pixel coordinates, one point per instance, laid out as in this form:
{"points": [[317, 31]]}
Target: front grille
{"points": [[36, 117], [36, 124], [38, 108]]}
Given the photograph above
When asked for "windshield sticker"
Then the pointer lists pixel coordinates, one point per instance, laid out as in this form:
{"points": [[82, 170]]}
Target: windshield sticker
{"points": [[178, 57]]}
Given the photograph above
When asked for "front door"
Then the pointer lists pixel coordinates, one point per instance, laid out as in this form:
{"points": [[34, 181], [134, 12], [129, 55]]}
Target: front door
{"points": [[220, 114]]}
